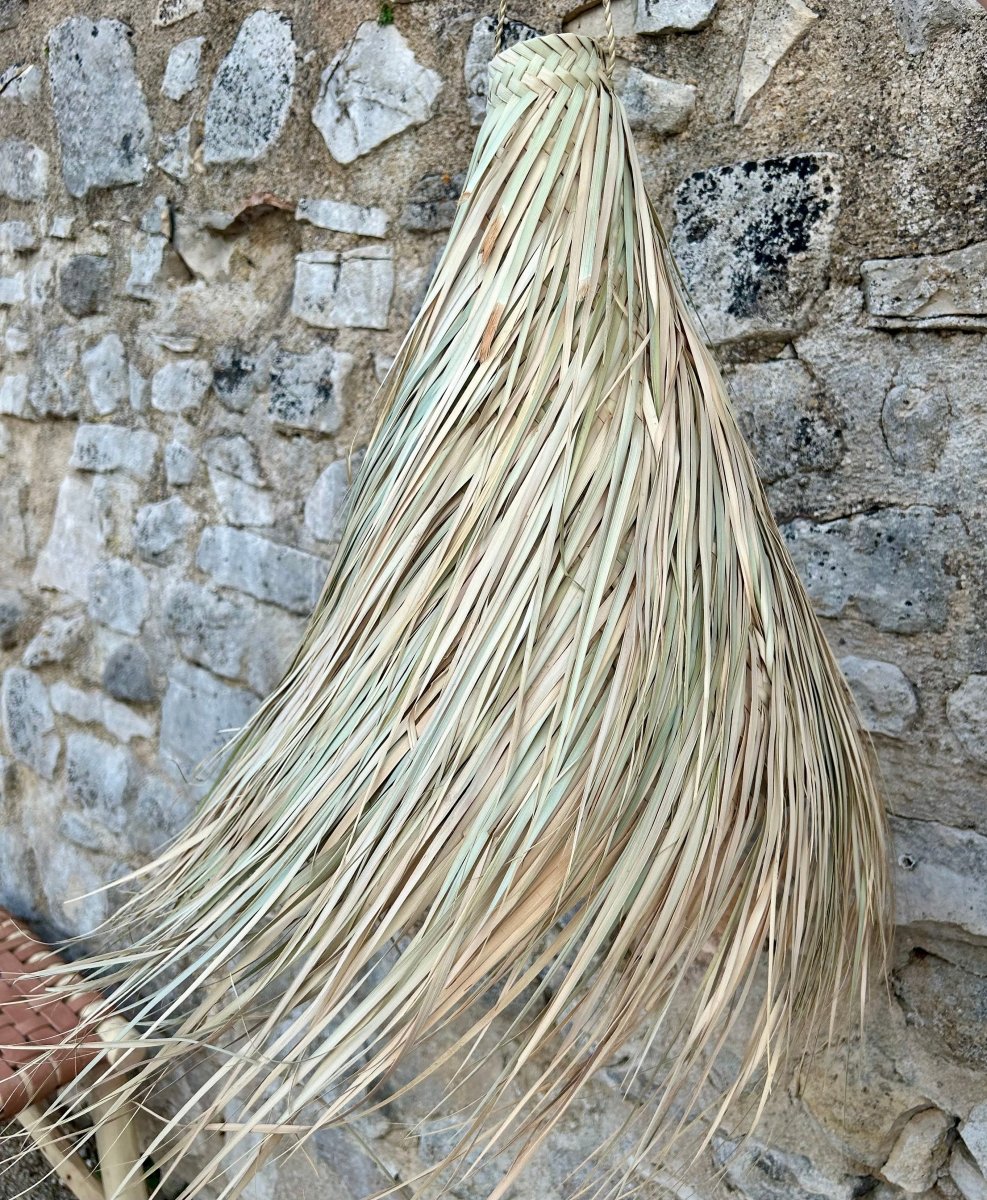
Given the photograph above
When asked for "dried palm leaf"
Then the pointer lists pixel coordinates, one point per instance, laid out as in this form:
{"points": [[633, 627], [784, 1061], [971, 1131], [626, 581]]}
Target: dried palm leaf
{"points": [[562, 718]]}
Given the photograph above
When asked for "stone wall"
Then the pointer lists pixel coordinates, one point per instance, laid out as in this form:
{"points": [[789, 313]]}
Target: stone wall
{"points": [[216, 222]]}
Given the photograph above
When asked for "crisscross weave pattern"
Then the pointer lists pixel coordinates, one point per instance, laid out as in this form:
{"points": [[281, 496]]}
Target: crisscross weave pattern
{"points": [[33, 1022], [548, 63]]}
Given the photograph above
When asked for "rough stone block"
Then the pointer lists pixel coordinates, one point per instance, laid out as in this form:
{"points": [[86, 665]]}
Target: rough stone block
{"points": [[55, 386], [114, 448], [344, 291], [158, 814], [181, 464], [28, 722], [182, 70], [372, 90], [929, 291], [251, 93], [76, 542], [176, 153], [753, 241], [104, 129], [18, 237], [342, 217], [920, 1151], [654, 105], [58, 638], [966, 710], [211, 630], [96, 778], [84, 284], [105, 368], [241, 503], [775, 27], [306, 389], [180, 386], [23, 170], [199, 715], [261, 568], [127, 674], [661, 16], [889, 564], [884, 696], [20, 83], [12, 613], [941, 878], [326, 503], [118, 596], [160, 527], [93, 708], [432, 202]]}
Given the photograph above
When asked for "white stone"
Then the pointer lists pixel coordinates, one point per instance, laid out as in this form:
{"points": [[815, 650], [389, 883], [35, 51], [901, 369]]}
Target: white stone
{"points": [[884, 696], [267, 570], [93, 708], [180, 386], [104, 128], [919, 1152], [654, 105], [146, 256], [241, 503], [941, 880], [929, 291], [23, 170], [341, 217], [16, 237], [211, 630], [159, 527], [234, 455], [169, 12], [921, 22], [61, 226], [28, 723], [966, 1175], [20, 83], [326, 502], [371, 91], [966, 710], [776, 26], [104, 448], [251, 93], [12, 289], [181, 464], [57, 638], [76, 542], [182, 71], [16, 340], [206, 253], [973, 1131], [13, 397], [105, 368], [657, 16], [344, 291], [118, 596], [199, 716], [176, 158], [481, 50], [307, 389]]}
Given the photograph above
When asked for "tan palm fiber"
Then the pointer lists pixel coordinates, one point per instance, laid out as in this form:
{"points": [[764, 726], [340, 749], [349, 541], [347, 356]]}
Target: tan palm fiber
{"points": [[562, 667]]}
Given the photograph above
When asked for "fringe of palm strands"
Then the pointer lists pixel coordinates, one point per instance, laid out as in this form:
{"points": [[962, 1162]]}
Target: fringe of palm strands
{"points": [[562, 667]]}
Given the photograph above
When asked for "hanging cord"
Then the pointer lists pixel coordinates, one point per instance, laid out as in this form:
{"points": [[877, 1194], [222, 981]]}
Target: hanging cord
{"points": [[609, 47]]}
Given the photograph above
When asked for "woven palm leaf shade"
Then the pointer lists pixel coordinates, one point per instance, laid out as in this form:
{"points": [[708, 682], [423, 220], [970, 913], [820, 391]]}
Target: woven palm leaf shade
{"points": [[563, 731]]}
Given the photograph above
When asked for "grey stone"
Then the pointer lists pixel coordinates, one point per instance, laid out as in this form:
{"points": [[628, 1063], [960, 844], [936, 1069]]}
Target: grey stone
{"points": [[922, 22], [169, 12], [180, 386], [272, 642], [234, 455], [251, 93], [61, 226], [432, 202], [11, 12], [326, 503], [199, 715], [176, 155], [181, 464], [941, 878], [372, 90], [96, 778], [206, 253], [306, 389], [127, 674], [261, 568], [23, 170], [915, 423], [104, 129], [775, 27], [105, 368], [919, 1152], [344, 291], [146, 256], [342, 217], [889, 564], [884, 696], [929, 291], [13, 397], [118, 596], [17, 237], [56, 640], [104, 448], [241, 503], [54, 387], [966, 709], [93, 708], [159, 813], [790, 427], [21, 83], [235, 378], [12, 290], [763, 1172], [16, 340], [659, 16], [12, 614], [966, 1175], [160, 527], [75, 544], [28, 722], [973, 1131], [210, 630], [753, 241], [84, 284], [654, 105], [481, 50], [182, 70]]}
